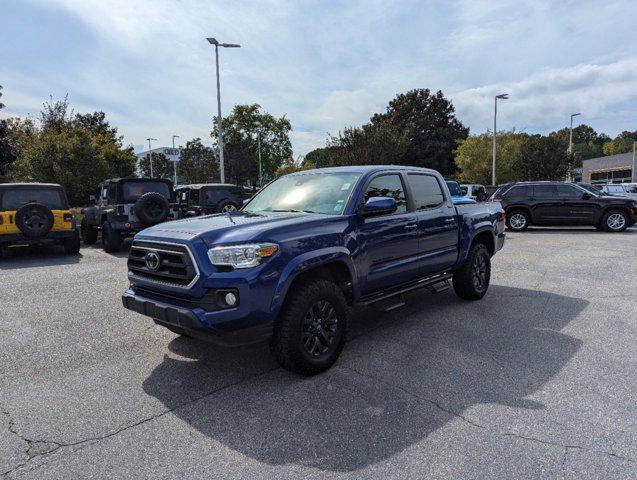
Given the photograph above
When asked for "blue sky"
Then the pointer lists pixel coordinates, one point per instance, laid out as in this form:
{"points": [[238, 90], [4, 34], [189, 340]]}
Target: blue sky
{"points": [[323, 64]]}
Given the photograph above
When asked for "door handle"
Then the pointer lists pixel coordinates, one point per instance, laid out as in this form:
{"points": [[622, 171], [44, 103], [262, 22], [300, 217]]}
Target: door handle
{"points": [[411, 226], [450, 220]]}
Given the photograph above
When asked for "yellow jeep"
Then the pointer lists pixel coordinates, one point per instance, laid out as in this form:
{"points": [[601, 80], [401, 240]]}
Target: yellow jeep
{"points": [[36, 213]]}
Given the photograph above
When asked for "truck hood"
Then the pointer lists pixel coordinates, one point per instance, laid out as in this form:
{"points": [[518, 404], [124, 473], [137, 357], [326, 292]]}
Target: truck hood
{"points": [[229, 227]]}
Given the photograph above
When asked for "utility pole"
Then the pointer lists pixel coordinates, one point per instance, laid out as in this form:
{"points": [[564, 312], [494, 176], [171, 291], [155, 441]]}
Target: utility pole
{"points": [[175, 163], [213, 41], [150, 155], [502, 96]]}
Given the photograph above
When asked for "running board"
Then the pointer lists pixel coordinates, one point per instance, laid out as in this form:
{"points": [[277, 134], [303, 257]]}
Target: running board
{"points": [[436, 284]]}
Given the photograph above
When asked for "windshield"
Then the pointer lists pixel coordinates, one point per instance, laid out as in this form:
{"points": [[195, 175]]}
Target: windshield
{"points": [[52, 198], [454, 188], [133, 190], [312, 192], [631, 188]]}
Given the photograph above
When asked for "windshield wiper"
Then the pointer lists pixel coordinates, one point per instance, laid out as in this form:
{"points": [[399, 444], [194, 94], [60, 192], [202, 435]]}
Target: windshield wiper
{"points": [[291, 210]]}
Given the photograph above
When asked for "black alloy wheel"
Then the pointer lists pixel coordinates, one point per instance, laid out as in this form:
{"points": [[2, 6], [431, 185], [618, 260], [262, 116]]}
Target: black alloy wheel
{"points": [[319, 328]]}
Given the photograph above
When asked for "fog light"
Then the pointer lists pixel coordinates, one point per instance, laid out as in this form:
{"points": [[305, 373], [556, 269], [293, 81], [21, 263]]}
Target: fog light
{"points": [[230, 299], [127, 226]]}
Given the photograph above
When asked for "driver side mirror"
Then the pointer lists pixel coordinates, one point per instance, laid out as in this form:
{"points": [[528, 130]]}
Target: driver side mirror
{"points": [[586, 196], [378, 206]]}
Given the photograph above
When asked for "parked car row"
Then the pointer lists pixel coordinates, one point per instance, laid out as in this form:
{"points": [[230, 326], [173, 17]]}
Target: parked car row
{"points": [[39, 214]]}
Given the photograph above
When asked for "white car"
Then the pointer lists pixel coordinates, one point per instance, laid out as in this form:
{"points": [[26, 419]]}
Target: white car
{"points": [[474, 191], [621, 190]]}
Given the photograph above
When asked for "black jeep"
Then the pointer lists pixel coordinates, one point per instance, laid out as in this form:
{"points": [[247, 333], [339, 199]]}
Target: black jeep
{"points": [[35, 214], [124, 206], [203, 199]]}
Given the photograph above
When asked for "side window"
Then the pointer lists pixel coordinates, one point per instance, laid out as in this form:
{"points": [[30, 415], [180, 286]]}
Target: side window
{"points": [[388, 186], [112, 193], [104, 194], [567, 191], [518, 191], [545, 191], [426, 191]]}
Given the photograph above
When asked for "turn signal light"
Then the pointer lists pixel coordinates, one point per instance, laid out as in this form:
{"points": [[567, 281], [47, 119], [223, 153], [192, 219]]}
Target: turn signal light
{"points": [[503, 216]]}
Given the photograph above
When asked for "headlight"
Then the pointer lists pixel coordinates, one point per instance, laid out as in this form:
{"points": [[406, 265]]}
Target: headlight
{"points": [[241, 256]]}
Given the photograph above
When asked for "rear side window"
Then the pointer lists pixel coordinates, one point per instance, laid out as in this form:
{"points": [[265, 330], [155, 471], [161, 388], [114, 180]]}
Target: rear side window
{"points": [[426, 191], [545, 191], [388, 186], [519, 191]]}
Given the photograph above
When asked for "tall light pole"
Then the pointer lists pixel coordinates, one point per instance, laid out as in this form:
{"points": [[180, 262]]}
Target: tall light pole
{"points": [[570, 134], [213, 41], [634, 173], [502, 96], [175, 163], [150, 155], [259, 149], [570, 145]]}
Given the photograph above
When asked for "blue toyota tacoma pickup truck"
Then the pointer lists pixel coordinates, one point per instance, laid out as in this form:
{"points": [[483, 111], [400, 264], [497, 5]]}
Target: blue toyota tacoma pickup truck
{"points": [[309, 246]]}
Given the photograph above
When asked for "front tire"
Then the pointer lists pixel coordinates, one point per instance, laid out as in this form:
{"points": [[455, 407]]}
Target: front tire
{"points": [[309, 333], [471, 281], [111, 239], [518, 220], [615, 221]]}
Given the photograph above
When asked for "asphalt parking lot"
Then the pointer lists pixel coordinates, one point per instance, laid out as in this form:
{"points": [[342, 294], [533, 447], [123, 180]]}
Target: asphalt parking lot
{"points": [[537, 380]]}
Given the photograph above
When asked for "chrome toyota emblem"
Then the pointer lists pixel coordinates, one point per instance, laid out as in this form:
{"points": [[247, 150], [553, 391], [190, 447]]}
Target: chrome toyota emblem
{"points": [[152, 261]]}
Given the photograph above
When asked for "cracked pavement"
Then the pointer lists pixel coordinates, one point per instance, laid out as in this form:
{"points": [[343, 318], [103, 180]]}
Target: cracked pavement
{"points": [[537, 380]]}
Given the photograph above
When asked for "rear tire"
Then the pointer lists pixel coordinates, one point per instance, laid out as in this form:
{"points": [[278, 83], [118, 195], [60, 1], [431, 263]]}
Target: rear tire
{"points": [[615, 221], [89, 233], [72, 245], [471, 281], [310, 331], [111, 240], [517, 220]]}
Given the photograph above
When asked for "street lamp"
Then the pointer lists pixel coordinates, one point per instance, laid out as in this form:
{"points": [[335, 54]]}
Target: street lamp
{"points": [[150, 155], [213, 41], [175, 163], [634, 173], [570, 134], [502, 96]]}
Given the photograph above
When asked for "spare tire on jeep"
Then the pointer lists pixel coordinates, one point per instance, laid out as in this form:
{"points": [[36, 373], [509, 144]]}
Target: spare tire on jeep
{"points": [[34, 220], [152, 208]]}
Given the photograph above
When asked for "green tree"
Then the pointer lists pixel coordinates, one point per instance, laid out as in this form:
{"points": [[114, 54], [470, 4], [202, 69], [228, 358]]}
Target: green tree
{"points": [[542, 158], [320, 157], [290, 166], [474, 157], [162, 166], [622, 143], [198, 163], [242, 130], [64, 150], [428, 125]]}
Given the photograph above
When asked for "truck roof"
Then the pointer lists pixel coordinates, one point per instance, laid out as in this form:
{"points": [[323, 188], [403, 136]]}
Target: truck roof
{"points": [[365, 169], [7, 186]]}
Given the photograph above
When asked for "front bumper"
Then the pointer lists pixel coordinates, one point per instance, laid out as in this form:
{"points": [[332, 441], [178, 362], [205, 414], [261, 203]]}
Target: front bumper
{"points": [[51, 237], [193, 319]]}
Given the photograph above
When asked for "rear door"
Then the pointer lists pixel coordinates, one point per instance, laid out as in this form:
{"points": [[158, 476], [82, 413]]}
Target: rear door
{"points": [[574, 209], [389, 243], [437, 224], [546, 204]]}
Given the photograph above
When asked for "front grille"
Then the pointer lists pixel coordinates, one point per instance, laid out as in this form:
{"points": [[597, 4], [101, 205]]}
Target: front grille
{"points": [[175, 266]]}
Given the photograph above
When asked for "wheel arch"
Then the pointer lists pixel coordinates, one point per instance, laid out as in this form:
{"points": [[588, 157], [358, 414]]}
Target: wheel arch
{"points": [[334, 264]]}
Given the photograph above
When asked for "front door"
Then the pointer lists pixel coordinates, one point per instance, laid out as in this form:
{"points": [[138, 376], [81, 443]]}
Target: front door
{"points": [[388, 243], [575, 210]]}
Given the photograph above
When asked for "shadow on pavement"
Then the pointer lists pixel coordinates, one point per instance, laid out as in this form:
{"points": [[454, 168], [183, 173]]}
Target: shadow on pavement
{"points": [[37, 256], [404, 375]]}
